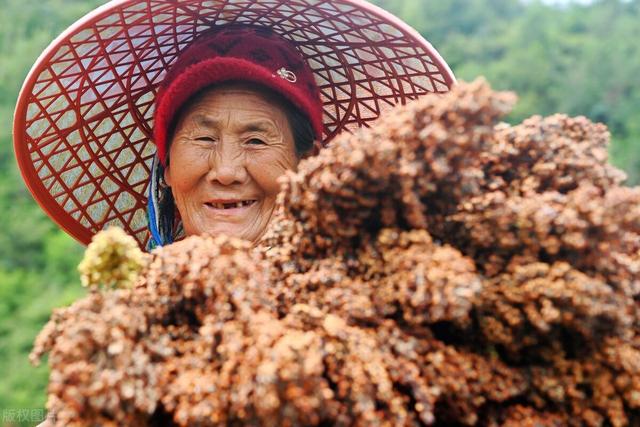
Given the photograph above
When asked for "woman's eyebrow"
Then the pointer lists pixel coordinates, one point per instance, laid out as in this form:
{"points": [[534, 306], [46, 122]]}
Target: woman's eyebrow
{"points": [[210, 121], [259, 126], [206, 120]]}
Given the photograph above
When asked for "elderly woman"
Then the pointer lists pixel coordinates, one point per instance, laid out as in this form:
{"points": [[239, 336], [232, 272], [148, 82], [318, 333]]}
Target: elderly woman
{"points": [[232, 116], [176, 118]]}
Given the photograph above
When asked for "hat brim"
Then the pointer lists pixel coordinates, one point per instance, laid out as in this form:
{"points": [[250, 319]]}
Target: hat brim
{"points": [[83, 122]]}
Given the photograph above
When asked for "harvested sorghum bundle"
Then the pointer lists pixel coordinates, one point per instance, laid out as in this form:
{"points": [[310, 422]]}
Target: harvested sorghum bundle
{"points": [[554, 153], [437, 269], [405, 172]]}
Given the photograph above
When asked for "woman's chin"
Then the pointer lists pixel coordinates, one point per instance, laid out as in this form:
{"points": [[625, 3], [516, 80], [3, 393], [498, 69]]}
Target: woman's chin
{"points": [[247, 223], [230, 229]]}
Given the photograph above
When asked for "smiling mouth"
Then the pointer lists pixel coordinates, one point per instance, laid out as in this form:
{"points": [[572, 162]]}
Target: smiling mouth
{"points": [[231, 205]]}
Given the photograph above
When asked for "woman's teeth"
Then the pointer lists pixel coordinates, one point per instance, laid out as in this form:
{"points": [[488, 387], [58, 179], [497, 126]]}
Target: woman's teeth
{"points": [[231, 205]]}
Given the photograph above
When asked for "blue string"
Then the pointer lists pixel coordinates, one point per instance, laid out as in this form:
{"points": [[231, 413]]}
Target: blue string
{"points": [[152, 202], [151, 209]]}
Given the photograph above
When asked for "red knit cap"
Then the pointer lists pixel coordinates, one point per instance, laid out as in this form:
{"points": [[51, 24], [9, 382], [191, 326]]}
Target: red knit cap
{"points": [[236, 53]]}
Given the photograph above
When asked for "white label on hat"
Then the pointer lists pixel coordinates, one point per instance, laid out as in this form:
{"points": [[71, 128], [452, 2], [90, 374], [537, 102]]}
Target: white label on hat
{"points": [[287, 75]]}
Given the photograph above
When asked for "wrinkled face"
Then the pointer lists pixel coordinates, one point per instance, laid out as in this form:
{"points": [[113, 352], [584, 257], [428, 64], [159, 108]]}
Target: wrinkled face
{"points": [[229, 148]]}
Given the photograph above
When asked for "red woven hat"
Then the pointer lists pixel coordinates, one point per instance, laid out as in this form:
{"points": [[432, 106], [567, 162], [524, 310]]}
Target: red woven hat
{"points": [[84, 121]]}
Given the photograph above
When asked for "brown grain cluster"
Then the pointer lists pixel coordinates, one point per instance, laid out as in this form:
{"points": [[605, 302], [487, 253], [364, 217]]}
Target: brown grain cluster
{"points": [[437, 269]]}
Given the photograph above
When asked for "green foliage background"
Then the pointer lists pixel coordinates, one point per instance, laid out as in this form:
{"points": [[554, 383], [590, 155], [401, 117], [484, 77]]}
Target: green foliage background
{"points": [[580, 60]]}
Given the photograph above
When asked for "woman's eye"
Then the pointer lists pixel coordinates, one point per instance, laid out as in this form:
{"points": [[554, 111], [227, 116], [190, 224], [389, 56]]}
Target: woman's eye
{"points": [[256, 141], [205, 139]]}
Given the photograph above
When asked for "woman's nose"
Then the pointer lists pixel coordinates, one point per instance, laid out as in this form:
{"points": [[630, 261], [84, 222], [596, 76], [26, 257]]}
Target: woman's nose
{"points": [[227, 165]]}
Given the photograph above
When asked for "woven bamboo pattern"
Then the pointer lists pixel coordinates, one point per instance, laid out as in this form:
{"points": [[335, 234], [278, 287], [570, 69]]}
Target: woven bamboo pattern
{"points": [[83, 123]]}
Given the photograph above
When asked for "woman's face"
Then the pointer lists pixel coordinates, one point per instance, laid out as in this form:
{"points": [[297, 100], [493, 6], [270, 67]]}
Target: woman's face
{"points": [[229, 149]]}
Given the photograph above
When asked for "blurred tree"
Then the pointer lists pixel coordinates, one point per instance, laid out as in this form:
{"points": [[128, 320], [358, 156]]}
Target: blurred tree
{"points": [[574, 58]]}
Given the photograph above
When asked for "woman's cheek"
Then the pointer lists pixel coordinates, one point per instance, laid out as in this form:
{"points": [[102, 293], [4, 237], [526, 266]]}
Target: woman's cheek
{"points": [[191, 164], [268, 167]]}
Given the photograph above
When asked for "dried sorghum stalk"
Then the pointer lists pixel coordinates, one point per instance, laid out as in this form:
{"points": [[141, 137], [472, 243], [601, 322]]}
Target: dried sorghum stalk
{"points": [[437, 269]]}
